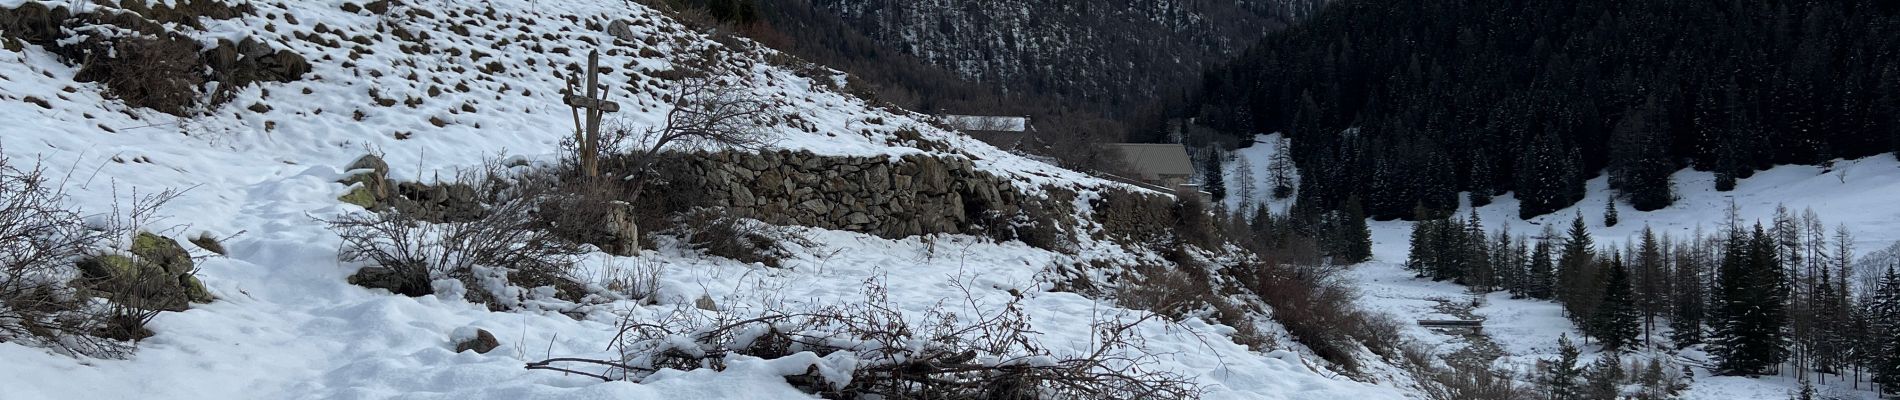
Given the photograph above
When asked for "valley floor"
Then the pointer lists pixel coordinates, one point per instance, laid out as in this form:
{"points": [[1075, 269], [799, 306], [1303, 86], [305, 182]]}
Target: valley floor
{"points": [[1858, 193]]}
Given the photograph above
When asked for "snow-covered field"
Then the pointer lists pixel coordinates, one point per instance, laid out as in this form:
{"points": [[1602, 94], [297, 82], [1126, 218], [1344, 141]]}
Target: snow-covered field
{"points": [[287, 326], [1863, 195]]}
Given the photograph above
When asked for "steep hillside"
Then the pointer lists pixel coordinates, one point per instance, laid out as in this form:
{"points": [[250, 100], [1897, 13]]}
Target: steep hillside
{"points": [[1405, 104], [445, 90], [1114, 57]]}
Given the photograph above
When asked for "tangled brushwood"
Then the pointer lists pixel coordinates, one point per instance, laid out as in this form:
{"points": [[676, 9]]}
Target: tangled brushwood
{"points": [[872, 350], [494, 255], [719, 233], [59, 286], [39, 240]]}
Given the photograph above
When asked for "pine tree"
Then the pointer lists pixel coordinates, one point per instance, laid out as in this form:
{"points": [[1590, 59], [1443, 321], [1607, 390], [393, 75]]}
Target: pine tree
{"points": [[1547, 176], [1480, 275], [1605, 377], [1560, 377], [1344, 234], [1574, 269], [1656, 384], [1651, 283], [1639, 161], [1884, 314], [1507, 261], [1829, 309], [1280, 169], [1482, 179], [1749, 299], [1540, 271], [1687, 313], [1617, 320], [1212, 179], [1244, 180], [1423, 256], [1609, 213]]}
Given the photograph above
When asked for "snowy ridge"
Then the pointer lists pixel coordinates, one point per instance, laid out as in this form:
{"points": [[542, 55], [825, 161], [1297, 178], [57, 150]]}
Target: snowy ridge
{"points": [[287, 326]]}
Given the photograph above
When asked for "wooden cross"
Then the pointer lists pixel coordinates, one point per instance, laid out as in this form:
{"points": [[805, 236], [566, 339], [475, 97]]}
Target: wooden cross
{"points": [[595, 103]]}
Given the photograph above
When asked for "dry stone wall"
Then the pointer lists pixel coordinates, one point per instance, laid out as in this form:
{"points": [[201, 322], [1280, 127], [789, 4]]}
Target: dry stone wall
{"points": [[892, 197]]}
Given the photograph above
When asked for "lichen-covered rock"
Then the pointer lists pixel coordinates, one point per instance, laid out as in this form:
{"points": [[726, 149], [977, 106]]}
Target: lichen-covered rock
{"points": [[108, 267], [194, 289], [360, 195], [162, 252], [158, 275]]}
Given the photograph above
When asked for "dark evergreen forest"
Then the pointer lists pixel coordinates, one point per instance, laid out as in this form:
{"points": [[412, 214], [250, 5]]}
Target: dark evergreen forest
{"points": [[1403, 104]]}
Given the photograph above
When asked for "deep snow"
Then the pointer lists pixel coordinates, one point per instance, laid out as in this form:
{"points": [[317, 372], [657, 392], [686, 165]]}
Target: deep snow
{"points": [[286, 326]]}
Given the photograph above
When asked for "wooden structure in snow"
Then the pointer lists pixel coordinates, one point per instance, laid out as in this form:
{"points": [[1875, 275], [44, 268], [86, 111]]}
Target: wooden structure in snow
{"points": [[1474, 325]]}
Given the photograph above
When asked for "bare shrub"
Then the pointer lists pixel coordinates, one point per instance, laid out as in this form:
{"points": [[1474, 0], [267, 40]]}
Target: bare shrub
{"points": [[1376, 331], [1319, 310], [1044, 224], [39, 241], [719, 233], [43, 246], [1037, 222], [1195, 223], [581, 210], [707, 109], [134, 305], [1171, 291], [639, 279], [1462, 381], [994, 355], [504, 245]]}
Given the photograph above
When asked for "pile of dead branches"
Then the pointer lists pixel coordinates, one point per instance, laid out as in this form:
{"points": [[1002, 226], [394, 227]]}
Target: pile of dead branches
{"points": [[870, 349]]}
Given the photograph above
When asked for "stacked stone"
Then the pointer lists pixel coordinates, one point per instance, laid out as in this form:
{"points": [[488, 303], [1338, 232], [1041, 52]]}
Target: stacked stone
{"points": [[885, 196]]}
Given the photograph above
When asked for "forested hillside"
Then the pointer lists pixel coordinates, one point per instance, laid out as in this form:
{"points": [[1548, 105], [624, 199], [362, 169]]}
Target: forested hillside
{"points": [[1111, 55], [1124, 59], [1405, 104]]}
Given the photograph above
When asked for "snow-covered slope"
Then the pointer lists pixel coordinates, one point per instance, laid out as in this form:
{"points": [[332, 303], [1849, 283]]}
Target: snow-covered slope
{"points": [[265, 168], [1862, 195]]}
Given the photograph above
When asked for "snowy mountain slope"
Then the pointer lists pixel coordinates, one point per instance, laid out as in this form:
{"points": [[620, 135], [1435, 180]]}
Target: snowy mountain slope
{"points": [[1862, 194], [1859, 194], [264, 167]]}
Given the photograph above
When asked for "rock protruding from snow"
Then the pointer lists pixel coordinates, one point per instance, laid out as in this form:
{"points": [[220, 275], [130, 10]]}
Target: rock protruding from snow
{"points": [[470, 338]]}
